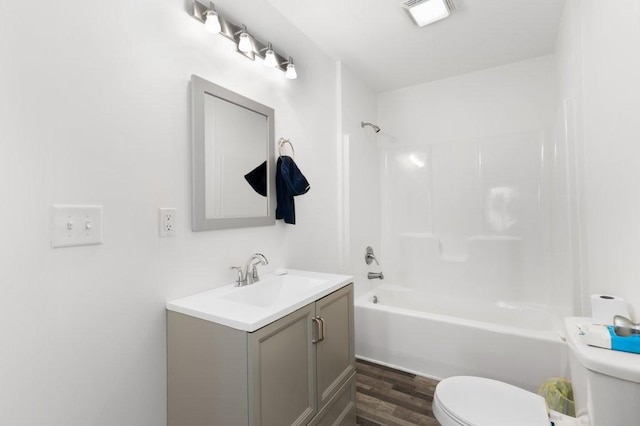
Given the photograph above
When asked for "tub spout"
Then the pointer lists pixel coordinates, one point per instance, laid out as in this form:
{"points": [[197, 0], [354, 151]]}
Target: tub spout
{"points": [[375, 275]]}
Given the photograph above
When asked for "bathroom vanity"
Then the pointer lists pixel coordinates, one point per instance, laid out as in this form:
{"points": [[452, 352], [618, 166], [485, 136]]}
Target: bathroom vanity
{"points": [[277, 352]]}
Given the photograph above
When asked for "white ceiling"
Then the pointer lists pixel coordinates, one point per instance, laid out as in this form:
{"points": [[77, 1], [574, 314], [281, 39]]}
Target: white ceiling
{"points": [[377, 40]]}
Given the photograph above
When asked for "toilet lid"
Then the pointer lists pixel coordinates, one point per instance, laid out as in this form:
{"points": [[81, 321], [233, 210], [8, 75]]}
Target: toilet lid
{"points": [[479, 401]]}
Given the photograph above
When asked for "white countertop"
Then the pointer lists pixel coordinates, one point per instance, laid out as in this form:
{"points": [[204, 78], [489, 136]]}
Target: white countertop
{"points": [[251, 307]]}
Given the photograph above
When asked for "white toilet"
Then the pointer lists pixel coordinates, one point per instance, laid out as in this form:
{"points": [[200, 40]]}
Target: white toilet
{"points": [[606, 387]]}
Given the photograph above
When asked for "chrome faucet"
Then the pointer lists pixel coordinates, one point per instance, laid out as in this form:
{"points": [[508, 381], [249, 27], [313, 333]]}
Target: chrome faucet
{"points": [[253, 261], [375, 275], [250, 273]]}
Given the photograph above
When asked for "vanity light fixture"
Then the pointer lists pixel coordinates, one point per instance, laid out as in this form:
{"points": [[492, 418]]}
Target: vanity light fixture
{"points": [[291, 73], [247, 44], [244, 42], [270, 57], [211, 21], [425, 12]]}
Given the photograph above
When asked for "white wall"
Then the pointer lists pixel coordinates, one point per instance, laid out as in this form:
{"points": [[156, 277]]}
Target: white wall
{"points": [[467, 185], [359, 154], [508, 99], [602, 64], [95, 109]]}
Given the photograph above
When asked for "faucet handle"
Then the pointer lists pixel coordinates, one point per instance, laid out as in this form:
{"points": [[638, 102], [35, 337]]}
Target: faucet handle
{"points": [[369, 256], [239, 279]]}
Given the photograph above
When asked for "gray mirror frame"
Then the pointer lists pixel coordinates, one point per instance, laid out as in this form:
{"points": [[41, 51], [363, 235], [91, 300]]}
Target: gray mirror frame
{"points": [[199, 222]]}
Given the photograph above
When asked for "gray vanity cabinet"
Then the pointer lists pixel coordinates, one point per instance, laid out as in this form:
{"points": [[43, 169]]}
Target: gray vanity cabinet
{"points": [[298, 370]]}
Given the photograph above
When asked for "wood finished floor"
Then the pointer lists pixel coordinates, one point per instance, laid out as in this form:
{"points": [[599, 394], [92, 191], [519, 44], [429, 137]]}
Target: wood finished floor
{"points": [[388, 397]]}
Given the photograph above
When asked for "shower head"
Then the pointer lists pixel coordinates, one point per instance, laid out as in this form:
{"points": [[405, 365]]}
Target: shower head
{"points": [[373, 126]]}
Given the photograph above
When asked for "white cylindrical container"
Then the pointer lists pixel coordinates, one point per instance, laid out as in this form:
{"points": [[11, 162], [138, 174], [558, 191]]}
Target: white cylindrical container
{"points": [[604, 307]]}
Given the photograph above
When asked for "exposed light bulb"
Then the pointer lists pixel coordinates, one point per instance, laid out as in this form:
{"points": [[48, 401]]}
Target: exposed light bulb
{"points": [[291, 72], [270, 59], [245, 45], [212, 23]]}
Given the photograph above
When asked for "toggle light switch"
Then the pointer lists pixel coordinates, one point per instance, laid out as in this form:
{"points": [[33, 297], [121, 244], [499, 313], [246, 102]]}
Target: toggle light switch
{"points": [[67, 228]]}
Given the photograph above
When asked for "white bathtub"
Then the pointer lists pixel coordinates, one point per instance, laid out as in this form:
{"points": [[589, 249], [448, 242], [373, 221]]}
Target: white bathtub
{"points": [[438, 338]]}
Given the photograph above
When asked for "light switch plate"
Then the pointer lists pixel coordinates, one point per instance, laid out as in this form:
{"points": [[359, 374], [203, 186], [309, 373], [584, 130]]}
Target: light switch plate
{"points": [[75, 225]]}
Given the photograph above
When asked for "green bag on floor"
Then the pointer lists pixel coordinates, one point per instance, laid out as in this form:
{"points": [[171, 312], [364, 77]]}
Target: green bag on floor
{"points": [[558, 393]]}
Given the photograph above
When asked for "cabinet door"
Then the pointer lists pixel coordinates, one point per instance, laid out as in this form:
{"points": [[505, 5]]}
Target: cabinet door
{"points": [[336, 353], [282, 365]]}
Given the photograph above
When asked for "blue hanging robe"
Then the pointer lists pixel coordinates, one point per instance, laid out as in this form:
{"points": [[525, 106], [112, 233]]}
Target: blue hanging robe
{"points": [[289, 182]]}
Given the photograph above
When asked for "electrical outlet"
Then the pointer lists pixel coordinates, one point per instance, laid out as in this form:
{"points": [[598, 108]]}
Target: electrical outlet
{"points": [[167, 222]]}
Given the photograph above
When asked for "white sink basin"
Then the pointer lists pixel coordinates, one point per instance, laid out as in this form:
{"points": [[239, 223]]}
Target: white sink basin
{"points": [[251, 307], [274, 290]]}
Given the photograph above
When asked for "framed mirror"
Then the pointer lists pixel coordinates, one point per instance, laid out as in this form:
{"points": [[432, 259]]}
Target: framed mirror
{"points": [[232, 159]]}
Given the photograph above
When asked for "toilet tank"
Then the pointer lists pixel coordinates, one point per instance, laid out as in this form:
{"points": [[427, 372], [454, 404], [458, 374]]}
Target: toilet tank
{"points": [[606, 383]]}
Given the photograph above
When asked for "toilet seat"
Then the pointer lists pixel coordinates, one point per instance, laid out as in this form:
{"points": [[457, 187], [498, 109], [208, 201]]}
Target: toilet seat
{"points": [[477, 401]]}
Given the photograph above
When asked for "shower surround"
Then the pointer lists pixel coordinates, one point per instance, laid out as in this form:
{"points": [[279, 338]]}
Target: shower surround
{"points": [[471, 219], [473, 205]]}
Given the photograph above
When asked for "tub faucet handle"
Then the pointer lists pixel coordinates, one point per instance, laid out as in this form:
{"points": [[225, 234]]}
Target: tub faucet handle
{"points": [[369, 256]]}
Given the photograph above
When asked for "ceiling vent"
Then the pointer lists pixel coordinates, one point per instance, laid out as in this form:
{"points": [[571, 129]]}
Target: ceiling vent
{"points": [[425, 12]]}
